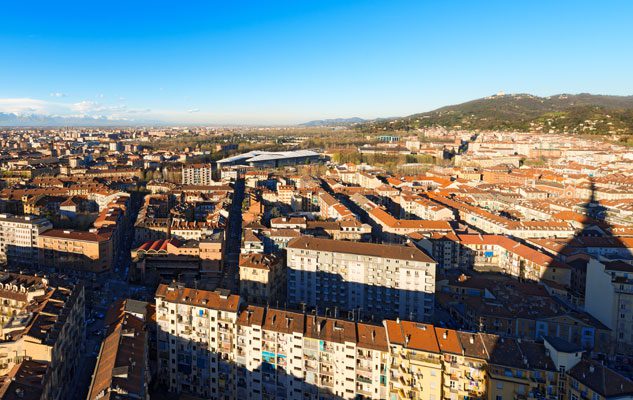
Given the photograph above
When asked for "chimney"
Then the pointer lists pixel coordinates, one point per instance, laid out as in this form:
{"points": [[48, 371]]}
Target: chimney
{"points": [[592, 369], [472, 339], [445, 335]]}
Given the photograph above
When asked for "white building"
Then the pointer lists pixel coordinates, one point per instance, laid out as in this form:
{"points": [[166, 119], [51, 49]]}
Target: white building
{"points": [[212, 346], [609, 298], [197, 174], [375, 280], [18, 238]]}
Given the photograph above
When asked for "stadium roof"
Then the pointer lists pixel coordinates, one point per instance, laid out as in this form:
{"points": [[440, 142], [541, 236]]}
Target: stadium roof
{"points": [[257, 155]]}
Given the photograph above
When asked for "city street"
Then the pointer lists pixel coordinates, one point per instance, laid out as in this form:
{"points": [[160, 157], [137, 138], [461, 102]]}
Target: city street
{"points": [[230, 276]]}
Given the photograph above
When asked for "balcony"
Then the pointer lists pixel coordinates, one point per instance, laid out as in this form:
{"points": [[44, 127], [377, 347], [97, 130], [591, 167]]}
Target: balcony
{"points": [[424, 358]]}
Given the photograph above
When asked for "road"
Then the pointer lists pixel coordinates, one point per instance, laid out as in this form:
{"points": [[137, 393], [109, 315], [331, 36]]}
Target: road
{"points": [[102, 291], [230, 276]]}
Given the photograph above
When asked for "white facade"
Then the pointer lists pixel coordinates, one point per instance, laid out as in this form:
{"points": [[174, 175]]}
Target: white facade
{"points": [[609, 298], [379, 281], [214, 351], [197, 174], [18, 238]]}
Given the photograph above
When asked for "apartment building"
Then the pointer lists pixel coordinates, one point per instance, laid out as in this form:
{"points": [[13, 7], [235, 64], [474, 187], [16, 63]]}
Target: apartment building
{"points": [[81, 250], [178, 259], [502, 305], [257, 353], [262, 278], [18, 238], [44, 324], [332, 209], [213, 345], [196, 336], [592, 380], [393, 230], [495, 253], [197, 174], [375, 280], [416, 362], [416, 206], [609, 298]]}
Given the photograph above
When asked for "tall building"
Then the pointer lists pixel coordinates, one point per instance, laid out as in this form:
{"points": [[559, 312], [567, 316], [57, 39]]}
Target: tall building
{"points": [[18, 238], [374, 280], [609, 298], [197, 174]]}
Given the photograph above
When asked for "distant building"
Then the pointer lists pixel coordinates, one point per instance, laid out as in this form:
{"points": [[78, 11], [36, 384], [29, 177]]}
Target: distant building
{"points": [[271, 159], [197, 174]]}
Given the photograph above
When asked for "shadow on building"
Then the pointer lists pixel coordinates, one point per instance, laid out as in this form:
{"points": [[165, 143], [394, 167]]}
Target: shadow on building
{"points": [[601, 264]]}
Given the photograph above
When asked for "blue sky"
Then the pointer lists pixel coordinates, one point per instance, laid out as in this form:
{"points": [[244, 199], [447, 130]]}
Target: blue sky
{"points": [[278, 62]]}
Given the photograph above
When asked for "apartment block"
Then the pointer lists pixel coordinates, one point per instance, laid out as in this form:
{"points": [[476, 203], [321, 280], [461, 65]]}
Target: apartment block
{"points": [[81, 250], [18, 238], [609, 298], [197, 174], [374, 280], [262, 278], [213, 345]]}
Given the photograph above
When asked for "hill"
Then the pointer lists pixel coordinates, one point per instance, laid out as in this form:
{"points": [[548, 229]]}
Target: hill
{"points": [[579, 113]]}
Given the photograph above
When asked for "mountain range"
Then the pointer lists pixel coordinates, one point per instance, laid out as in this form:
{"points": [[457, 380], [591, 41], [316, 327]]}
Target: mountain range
{"points": [[571, 113], [43, 120]]}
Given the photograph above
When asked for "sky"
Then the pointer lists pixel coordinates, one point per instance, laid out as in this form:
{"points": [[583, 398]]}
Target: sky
{"points": [[287, 62]]}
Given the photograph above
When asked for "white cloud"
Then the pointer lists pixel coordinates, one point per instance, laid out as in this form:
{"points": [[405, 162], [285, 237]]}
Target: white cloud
{"points": [[58, 94], [193, 110], [29, 106]]}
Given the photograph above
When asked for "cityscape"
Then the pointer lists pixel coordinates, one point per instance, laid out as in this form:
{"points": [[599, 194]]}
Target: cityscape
{"points": [[214, 237]]}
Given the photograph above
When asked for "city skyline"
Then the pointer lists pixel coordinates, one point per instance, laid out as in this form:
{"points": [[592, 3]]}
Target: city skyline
{"points": [[289, 63]]}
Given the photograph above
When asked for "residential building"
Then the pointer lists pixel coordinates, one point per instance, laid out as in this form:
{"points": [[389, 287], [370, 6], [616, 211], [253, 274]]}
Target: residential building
{"points": [[90, 251], [45, 331], [609, 298], [197, 174], [377, 281], [213, 345], [18, 238], [262, 278]]}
